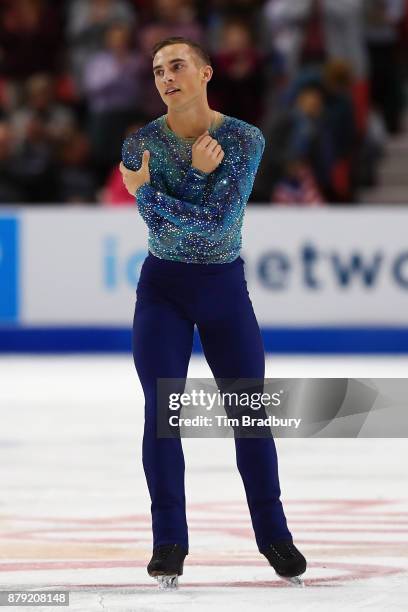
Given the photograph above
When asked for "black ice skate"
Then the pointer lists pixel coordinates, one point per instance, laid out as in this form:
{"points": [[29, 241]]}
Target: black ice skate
{"points": [[287, 561], [166, 565]]}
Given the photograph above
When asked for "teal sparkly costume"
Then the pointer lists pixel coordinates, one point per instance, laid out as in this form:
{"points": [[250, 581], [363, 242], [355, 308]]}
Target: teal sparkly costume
{"points": [[192, 216]]}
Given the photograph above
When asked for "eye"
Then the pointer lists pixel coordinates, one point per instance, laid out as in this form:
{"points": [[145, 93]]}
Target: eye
{"points": [[178, 66]]}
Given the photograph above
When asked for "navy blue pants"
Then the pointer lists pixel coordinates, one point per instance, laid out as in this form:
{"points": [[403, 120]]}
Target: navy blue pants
{"points": [[172, 297]]}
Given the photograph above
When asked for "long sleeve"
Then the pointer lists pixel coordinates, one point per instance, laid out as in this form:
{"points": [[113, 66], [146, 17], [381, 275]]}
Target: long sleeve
{"points": [[213, 208], [193, 216], [132, 151]]}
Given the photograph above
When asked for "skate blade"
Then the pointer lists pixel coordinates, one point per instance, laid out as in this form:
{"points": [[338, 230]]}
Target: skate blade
{"points": [[295, 581], [167, 582]]}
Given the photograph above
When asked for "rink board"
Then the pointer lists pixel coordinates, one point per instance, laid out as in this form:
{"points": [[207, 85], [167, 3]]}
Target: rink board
{"points": [[324, 280]]}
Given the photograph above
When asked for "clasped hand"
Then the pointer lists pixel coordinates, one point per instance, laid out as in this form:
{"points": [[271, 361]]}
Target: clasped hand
{"points": [[207, 155], [133, 179]]}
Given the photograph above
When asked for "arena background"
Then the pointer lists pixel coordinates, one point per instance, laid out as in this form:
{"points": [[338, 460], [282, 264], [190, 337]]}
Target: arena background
{"points": [[326, 259]]}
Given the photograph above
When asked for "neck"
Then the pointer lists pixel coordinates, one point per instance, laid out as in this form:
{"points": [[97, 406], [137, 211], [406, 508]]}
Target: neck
{"points": [[190, 122]]}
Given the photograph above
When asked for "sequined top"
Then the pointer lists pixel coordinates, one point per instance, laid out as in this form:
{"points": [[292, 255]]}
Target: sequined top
{"points": [[193, 216]]}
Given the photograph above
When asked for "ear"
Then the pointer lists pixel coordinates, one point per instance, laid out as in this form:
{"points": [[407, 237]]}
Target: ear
{"points": [[207, 73]]}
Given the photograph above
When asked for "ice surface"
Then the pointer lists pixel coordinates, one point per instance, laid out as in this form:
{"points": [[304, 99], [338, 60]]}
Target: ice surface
{"points": [[75, 511]]}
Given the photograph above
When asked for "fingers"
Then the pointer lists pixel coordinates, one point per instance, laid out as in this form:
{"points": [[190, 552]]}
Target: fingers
{"points": [[200, 138], [204, 141], [145, 158], [213, 145], [217, 150]]}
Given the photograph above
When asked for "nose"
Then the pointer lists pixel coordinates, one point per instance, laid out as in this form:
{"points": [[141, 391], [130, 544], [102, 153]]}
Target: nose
{"points": [[167, 77]]}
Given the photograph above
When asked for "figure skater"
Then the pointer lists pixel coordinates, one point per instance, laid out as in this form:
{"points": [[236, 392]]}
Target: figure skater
{"points": [[191, 172]]}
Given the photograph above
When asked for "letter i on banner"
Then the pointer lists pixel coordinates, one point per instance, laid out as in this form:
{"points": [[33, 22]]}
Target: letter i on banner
{"points": [[9, 290]]}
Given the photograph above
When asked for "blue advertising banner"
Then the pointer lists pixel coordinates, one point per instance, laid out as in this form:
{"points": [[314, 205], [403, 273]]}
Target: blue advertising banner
{"points": [[9, 303]]}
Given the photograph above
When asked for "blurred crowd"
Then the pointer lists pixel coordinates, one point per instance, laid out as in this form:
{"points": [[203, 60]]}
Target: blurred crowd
{"points": [[325, 80]]}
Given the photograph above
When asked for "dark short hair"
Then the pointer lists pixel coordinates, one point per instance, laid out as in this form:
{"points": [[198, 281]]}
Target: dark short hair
{"points": [[180, 40]]}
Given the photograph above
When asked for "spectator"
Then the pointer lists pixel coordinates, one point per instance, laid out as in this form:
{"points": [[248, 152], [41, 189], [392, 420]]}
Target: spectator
{"points": [[11, 189], [76, 181], [338, 80], [311, 31], [37, 164], [297, 186], [304, 78], [57, 119], [87, 22], [171, 18], [383, 19], [112, 87], [344, 28], [238, 73], [299, 132], [247, 11], [30, 41]]}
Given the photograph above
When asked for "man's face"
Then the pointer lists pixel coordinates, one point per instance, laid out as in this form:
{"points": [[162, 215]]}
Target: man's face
{"points": [[310, 102], [179, 76]]}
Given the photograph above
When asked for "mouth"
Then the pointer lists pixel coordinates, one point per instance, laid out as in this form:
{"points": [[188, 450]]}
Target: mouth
{"points": [[171, 91]]}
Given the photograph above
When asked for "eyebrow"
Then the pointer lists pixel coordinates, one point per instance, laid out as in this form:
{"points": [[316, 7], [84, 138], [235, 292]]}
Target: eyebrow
{"points": [[178, 59]]}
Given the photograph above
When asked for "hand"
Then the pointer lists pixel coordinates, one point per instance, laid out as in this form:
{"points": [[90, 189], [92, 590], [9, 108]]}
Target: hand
{"points": [[133, 179], [207, 154]]}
